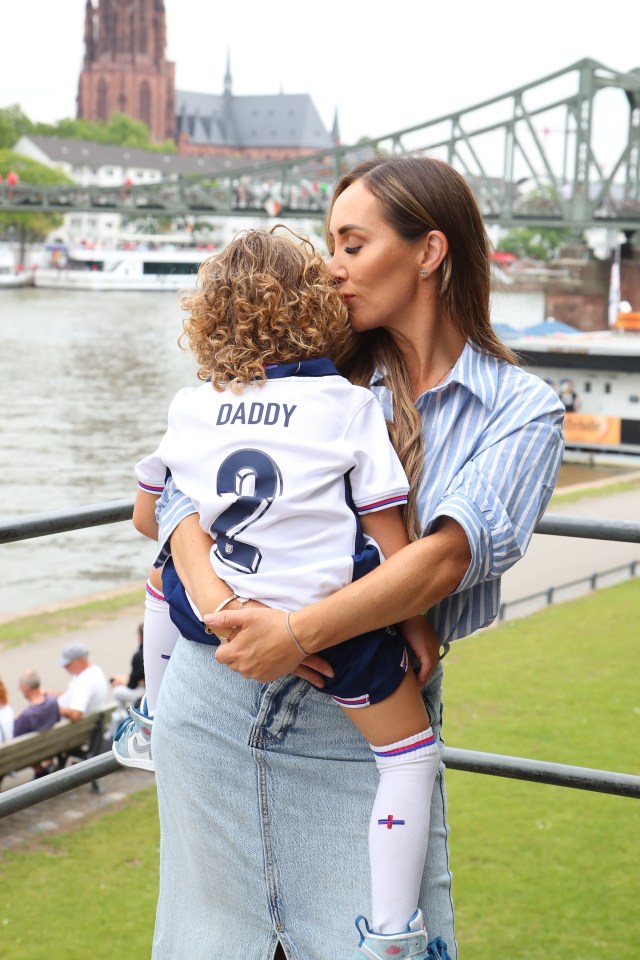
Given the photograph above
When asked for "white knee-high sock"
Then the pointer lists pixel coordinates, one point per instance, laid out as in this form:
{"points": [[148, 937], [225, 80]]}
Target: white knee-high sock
{"points": [[399, 828], [159, 638]]}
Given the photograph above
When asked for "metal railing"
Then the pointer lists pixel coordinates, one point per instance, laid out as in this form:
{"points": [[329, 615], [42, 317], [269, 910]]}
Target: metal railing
{"points": [[550, 594], [518, 768]]}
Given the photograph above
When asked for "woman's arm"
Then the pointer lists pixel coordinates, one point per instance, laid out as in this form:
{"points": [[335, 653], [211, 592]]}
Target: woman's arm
{"points": [[190, 549], [408, 583]]}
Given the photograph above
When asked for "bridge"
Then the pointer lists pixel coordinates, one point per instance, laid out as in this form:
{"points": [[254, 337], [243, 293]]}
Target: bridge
{"points": [[540, 155]]}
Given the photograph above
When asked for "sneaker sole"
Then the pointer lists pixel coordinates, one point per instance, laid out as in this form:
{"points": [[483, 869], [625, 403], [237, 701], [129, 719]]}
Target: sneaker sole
{"points": [[128, 762]]}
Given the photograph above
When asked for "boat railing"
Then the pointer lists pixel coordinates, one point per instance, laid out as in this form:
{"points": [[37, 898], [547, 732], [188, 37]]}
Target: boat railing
{"points": [[29, 794]]}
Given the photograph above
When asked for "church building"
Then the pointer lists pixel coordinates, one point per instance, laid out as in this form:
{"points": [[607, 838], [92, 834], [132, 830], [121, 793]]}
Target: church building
{"points": [[125, 71]]}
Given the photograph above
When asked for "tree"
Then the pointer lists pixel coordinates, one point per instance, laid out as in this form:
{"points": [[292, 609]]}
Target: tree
{"points": [[29, 227], [538, 244], [120, 129], [13, 124]]}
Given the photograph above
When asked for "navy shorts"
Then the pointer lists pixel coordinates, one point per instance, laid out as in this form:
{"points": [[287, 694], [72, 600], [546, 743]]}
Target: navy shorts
{"points": [[367, 668]]}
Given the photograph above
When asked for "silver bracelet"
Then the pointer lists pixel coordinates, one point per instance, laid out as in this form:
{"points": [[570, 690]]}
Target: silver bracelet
{"points": [[241, 600], [293, 636], [226, 600]]}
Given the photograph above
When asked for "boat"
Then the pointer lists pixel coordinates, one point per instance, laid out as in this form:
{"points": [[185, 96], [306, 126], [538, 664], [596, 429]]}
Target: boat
{"points": [[597, 376], [135, 267], [12, 277], [11, 274]]}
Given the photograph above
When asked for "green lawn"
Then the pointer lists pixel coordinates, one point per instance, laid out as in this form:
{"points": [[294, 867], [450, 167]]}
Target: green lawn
{"points": [[546, 871], [84, 894], [540, 871]]}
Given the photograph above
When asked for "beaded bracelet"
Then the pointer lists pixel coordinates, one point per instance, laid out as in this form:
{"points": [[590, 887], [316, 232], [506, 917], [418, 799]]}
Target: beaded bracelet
{"points": [[293, 636]]}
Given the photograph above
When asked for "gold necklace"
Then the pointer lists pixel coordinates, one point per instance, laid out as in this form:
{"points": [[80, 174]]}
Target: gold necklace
{"points": [[440, 379]]}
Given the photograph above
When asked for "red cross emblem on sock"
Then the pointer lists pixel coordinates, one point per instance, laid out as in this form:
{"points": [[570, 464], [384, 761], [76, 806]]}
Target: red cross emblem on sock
{"points": [[389, 822]]}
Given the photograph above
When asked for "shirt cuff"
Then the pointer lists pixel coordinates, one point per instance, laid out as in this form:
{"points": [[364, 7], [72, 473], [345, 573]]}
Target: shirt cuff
{"points": [[476, 526], [172, 507]]}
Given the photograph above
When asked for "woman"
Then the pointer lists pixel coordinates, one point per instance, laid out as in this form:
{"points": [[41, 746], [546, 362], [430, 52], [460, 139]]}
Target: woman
{"points": [[261, 837], [6, 715]]}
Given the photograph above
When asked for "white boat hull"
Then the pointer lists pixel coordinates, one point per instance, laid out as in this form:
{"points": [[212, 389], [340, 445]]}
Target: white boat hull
{"points": [[98, 280], [157, 268], [9, 281]]}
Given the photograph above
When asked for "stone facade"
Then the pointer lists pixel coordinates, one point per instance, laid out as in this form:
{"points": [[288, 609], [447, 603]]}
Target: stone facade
{"points": [[125, 69]]}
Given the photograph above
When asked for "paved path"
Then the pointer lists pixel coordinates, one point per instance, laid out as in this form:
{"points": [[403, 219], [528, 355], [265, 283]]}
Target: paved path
{"points": [[551, 561]]}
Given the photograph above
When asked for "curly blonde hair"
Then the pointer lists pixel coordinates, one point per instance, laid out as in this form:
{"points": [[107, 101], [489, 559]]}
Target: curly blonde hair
{"points": [[266, 298]]}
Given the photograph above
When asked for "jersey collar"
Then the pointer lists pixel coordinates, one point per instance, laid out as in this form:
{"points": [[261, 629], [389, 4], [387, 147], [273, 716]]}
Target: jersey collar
{"points": [[322, 367]]}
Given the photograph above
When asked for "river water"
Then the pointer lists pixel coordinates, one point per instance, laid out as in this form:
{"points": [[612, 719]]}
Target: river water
{"points": [[85, 382]]}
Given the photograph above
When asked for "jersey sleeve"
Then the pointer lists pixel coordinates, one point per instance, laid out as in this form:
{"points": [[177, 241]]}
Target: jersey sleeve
{"points": [[151, 473], [377, 479]]}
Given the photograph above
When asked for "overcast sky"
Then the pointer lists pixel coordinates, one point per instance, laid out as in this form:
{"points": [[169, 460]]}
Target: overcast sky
{"points": [[384, 66]]}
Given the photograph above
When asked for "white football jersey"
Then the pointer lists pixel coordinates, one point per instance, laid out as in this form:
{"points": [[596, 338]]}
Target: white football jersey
{"points": [[279, 474]]}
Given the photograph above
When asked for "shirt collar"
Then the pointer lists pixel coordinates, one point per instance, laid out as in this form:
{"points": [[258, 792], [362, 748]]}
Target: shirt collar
{"points": [[322, 367], [477, 370]]}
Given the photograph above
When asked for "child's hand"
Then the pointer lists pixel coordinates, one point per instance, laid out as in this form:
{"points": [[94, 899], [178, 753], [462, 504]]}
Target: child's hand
{"points": [[425, 643]]}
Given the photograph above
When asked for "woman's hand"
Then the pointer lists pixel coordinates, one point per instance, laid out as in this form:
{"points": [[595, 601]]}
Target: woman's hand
{"points": [[425, 643], [260, 647]]}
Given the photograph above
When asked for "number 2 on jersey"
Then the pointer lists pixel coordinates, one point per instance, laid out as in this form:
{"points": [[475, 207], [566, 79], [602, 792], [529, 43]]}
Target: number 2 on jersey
{"points": [[256, 480]]}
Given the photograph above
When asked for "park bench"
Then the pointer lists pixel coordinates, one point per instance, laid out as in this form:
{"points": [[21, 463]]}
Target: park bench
{"points": [[80, 739]]}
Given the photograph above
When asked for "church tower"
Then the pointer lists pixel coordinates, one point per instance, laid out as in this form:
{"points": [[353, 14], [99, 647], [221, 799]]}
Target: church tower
{"points": [[124, 69]]}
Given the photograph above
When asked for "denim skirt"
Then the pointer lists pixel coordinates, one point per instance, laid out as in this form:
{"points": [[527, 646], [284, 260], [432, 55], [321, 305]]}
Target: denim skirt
{"points": [[265, 793]]}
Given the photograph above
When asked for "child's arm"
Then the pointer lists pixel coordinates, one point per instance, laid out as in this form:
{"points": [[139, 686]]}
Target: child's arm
{"points": [[203, 586], [144, 514], [386, 527]]}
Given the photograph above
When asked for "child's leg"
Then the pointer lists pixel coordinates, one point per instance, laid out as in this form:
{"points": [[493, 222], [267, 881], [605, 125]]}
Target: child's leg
{"points": [[159, 638], [399, 733]]}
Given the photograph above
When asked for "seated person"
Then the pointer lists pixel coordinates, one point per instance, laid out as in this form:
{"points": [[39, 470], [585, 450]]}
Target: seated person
{"points": [[42, 711], [6, 715], [87, 690], [130, 690]]}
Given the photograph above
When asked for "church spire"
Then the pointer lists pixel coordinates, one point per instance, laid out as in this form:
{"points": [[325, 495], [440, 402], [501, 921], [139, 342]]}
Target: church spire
{"points": [[335, 130], [227, 77]]}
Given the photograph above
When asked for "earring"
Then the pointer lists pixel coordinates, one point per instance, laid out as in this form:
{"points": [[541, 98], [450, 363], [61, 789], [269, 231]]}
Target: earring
{"points": [[424, 274]]}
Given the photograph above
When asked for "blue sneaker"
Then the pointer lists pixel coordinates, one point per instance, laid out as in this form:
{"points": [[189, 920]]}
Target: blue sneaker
{"points": [[132, 740], [399, 946], [437, 950]]}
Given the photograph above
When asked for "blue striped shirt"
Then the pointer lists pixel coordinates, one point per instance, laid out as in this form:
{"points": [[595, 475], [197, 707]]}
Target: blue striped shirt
{"points": [[493, 447]]}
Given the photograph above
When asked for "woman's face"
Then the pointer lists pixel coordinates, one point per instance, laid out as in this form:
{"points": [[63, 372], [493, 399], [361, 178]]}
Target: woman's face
{"points": [[378, 272]]}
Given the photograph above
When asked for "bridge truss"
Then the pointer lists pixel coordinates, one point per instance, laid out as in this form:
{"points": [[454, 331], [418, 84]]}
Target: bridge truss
{"points": [[561, 151]]}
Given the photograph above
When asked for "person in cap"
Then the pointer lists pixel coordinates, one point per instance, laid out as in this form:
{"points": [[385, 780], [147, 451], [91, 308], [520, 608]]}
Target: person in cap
{"points": [[87, 689]]}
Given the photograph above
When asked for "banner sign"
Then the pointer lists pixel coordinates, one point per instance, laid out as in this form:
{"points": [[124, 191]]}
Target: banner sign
{"points": [[588, 428]]}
